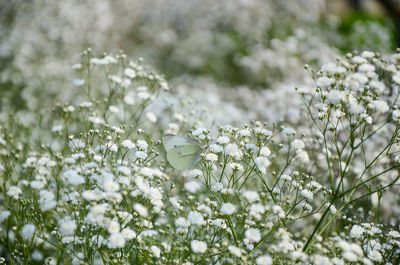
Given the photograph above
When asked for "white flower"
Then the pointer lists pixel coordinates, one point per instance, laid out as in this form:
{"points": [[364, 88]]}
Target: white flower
{"points": [[37, 185], [142, 145], [128, 233], [141, 154], [228, 208], [141, 210], [182, 222], [73, 177], [264, 151], [236, 166], [350, 256], [216, 148], [356, 231], [116, 240], [396, 78], [297, 144], [198, 246], [217, 187], [129, 72], [67, 226], [262, 163], [113, 227], [27, 231], [195, 218], [235, 251], [253, 235], [251, 196], [396, 114], [193, 186], [156, 251], [234, 151], [110, 185], [211, 157], [4, 215], [264, 260], [374, 255], [128, 144], [380, 106], [307, 194], [276, 209], [151, 117], [393, 234], [14, 192], [325, 81], [92, 195], [223, 140], [46, 200], [256, 210], [334, 97], [129, 98]]}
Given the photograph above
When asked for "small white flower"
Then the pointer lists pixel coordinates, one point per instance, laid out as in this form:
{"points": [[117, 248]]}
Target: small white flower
{"points": [[116, 240], [113, 227], [374, 255], [262, 163], [234, 151], [356, 231], [195, 218], [380, 106], [141, 210], [264, 260], [182, 222], [223, 140], [192, 186], [253, 235], [198, 246], [228, 208], [67, 226], [156, 251], [325, 81], [307, 194], [142, 145], [151, 117], [73, 177], [297, 144], [28, 231], [235, 251], [14, 192], [251, 196], [4, 215], [264, 151], [334, 97], [216, 148], [211, 157], [141, 154], [129, 72]]}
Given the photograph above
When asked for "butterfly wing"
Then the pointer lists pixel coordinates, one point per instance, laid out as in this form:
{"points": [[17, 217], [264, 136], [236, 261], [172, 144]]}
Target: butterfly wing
{"points": [[172, 141], [184, 157]]}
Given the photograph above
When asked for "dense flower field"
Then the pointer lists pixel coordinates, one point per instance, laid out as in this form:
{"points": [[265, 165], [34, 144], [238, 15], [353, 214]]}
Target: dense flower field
{"points": [[245, 136]]}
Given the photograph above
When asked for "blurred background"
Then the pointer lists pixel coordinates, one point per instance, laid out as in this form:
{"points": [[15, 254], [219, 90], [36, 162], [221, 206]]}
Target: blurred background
{"points": [[248, 45]]}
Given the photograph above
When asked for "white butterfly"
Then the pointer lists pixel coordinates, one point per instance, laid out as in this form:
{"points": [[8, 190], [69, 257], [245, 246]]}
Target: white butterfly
{"points": [[182, 153]]}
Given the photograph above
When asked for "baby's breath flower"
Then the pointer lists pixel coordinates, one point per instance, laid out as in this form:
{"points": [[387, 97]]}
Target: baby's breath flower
{"points": [[28, 230], [195, 218], [264, 260], [228, 208], [198, 246], [262, 163], [253, 234], [211, 157]]}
